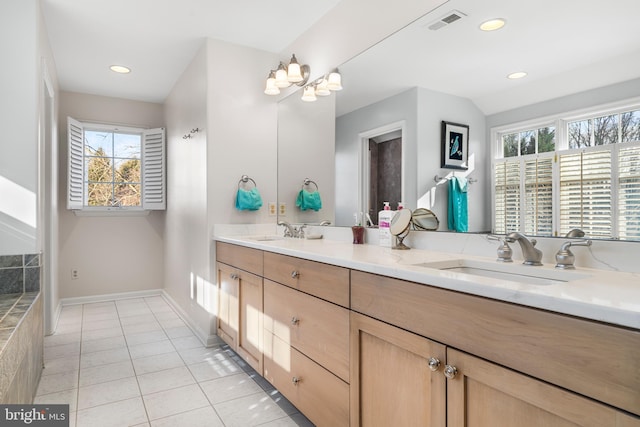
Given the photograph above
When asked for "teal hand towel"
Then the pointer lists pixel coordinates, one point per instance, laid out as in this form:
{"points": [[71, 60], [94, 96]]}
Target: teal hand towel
{"points": [[248, 200], [307, 200], [457, 215]]}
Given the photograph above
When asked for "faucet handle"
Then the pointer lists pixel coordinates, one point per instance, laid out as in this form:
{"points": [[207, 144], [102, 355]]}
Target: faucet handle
{"points": [[301, 231], [504, 251]]}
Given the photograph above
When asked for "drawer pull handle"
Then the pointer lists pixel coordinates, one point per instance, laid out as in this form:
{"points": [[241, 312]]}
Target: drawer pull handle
{"points": [[434, 364], [295, 380], [234, 276], [295, 321], [295, 274], [450, 371]]}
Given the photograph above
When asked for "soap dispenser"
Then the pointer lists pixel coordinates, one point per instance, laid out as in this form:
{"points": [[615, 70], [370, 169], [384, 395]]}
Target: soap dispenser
{"points": [[384, 224]]}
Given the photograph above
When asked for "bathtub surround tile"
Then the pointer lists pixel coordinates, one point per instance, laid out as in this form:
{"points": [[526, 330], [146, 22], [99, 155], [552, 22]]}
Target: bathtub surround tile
{"points": [[11, 261], [32, 279], [11, 280], [32, 260]]}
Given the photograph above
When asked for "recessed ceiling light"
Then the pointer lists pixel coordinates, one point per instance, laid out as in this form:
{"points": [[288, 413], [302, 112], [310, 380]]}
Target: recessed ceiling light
{"points": [[517, 75], [120, 69], [492, 24]]}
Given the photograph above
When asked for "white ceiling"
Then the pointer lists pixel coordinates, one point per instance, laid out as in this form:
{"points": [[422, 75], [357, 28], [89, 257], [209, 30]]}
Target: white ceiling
{"points": [[566, 46]]}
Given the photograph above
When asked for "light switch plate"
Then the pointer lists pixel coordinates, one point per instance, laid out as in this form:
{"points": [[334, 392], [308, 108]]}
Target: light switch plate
{"points": [[283, 209]]}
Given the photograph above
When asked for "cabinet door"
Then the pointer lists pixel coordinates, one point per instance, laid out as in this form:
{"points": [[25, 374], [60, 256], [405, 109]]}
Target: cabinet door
{"points": [[250, 329], [483, 394], [228, 305], [391, 381]]}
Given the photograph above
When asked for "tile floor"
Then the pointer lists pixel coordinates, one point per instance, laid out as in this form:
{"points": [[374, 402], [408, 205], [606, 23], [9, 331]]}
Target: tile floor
{"points": [[134, 362]]}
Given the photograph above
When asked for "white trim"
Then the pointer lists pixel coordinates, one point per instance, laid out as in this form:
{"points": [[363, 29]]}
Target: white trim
{"points": [[363, 163], [109, 297], [110, 212], [206, 339], [54, 320]]}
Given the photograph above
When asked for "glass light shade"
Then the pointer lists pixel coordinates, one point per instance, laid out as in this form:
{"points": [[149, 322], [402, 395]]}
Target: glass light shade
{"points": [[335, 81], [281, 77], [120, 69], [293, 71], [322, 88], [309, 94], [271, 88], [517, 75]]}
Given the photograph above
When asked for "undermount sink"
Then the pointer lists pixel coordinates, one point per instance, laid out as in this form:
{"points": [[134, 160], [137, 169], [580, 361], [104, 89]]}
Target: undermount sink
{"points": [[266, 238], [505, 271]]}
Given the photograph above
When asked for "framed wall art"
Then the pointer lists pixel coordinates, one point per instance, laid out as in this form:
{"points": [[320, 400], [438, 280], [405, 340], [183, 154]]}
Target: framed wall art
{"points": [[455, 145]]}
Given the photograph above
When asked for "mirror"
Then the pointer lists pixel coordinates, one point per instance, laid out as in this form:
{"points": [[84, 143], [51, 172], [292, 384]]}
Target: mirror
{"points": [[418, 77], [424, 220]]}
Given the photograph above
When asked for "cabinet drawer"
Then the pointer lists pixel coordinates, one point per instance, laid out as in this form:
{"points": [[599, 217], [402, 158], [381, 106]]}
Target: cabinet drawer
{"points": [[594, 359], [322, 280], [315, 327], [247, 259], [317, 393]]}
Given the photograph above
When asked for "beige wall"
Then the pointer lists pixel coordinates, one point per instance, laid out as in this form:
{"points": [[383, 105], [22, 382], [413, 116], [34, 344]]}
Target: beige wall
{"points": [[111, 254]]}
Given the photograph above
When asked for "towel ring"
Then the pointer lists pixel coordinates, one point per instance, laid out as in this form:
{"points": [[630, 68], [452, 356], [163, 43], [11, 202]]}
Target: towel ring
{"points": [[308, 182], [246, 179]]}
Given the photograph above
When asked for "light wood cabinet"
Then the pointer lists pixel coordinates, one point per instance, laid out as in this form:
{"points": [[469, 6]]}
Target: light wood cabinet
{"points": [[306, 354], [325, 281], [392, 382], [240, 302], [483, 394], [317, 393]]}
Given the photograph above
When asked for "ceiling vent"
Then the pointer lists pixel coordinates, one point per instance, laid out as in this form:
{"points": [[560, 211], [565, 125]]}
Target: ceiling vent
{"points": [[447, 19]]}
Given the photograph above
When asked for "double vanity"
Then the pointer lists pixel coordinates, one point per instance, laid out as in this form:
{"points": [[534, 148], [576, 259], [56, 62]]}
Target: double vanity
{"points": [[365, 335]]}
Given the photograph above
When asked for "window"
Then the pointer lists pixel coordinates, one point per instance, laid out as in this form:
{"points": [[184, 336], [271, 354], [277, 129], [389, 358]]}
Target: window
{"points": [[115, 168], [586, 176]]}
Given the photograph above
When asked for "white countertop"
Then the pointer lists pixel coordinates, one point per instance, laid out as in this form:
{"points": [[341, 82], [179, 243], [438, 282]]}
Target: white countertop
{"points": [[607, 296]]}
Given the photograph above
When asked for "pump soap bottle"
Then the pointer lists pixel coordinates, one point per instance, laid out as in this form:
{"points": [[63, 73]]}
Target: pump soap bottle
{"points": [[384, 224]]}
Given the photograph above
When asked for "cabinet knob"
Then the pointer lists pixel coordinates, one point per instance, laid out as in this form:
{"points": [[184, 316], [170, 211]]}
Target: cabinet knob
{"points": [[295, 274], [295, 321], [295, 380], [234, 276], [434, 363], [450, 371]]}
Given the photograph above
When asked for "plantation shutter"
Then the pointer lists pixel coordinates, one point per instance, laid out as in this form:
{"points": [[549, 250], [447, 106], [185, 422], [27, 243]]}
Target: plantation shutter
{"points": [[75, 167], [153, 169], [585, 193], [629, 192], [507, 197], [538, 182]]}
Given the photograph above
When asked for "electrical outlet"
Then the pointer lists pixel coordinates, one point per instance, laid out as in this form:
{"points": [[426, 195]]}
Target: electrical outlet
{"points": [[272, 209], [74, 273], [283, 209]]}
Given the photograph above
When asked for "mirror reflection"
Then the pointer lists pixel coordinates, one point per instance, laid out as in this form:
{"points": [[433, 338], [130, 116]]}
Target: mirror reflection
{"points": [[412, 81]]}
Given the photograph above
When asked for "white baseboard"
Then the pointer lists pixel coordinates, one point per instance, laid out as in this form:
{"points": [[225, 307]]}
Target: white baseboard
{"points": [[110, 297], [206, 339]]}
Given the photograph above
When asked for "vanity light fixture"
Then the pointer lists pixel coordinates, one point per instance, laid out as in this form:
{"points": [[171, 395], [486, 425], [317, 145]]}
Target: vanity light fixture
{"points": [[493, 24], [517, 75], [121, 69], [322, 86], [287, 75]]}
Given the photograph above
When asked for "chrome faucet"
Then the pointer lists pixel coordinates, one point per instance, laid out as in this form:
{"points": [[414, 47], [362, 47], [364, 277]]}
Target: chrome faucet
{"points": [[292, 231], [289, 231], [325, 222], [531, 255]]}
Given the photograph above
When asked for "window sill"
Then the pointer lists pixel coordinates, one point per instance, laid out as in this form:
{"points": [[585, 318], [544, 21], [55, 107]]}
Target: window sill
{"points": [[111, 212]]}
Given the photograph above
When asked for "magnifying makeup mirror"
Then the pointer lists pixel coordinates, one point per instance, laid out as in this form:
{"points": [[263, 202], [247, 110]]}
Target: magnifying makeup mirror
{"points": [[400, 227]]}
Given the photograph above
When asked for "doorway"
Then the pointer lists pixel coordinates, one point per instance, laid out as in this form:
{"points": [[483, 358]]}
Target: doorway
{"points": [[382, 168]]}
